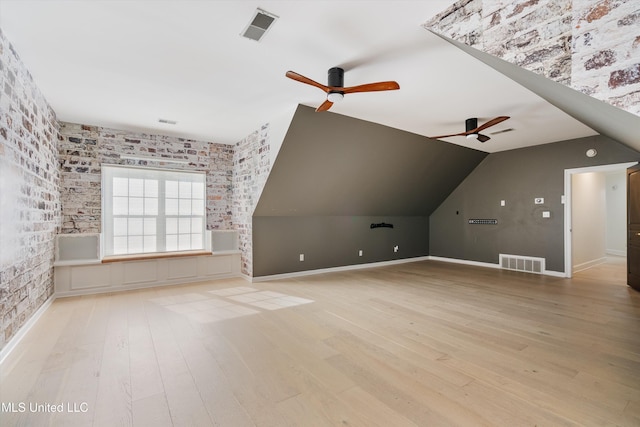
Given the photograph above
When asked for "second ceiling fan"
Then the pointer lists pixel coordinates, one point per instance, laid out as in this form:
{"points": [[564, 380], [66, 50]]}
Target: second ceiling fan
{"points": [[473, 130], [335, 89]]}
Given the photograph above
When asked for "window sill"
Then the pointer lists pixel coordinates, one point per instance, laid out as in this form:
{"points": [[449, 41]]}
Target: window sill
{"points": [[143, 257]]}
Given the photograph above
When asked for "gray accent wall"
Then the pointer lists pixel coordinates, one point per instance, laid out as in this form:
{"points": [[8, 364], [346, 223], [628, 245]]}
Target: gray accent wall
{"points": [[331, 164], [518, 177], [334, 176], [334, 241]]}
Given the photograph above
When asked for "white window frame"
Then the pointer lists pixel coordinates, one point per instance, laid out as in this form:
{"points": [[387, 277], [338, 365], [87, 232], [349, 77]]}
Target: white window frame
{"points": [[191, 214]]}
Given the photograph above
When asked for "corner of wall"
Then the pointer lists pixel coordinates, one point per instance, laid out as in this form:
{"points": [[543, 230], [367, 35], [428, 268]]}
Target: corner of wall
{"points": [[251, 166], [253, 159]]}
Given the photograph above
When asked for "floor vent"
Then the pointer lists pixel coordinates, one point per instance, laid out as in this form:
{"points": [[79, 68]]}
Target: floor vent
{"points": [[522, 263]]}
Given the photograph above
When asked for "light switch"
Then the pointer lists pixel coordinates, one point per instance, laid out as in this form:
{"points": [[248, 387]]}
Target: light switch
{"points": [[503, 202]]}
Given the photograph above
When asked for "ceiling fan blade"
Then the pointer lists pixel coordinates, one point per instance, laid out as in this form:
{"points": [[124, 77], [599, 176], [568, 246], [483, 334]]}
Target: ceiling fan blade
{"points": [[302, 79], [482, 138], [371, 87], [490, 123], [447, 136], [324, 106]]}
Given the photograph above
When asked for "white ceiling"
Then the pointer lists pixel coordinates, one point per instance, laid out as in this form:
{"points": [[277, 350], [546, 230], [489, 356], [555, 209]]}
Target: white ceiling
{"points": [[126, 64]]}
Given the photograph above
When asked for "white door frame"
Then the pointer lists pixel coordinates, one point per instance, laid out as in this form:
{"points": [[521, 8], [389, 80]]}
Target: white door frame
{"points": [[568, 264]]}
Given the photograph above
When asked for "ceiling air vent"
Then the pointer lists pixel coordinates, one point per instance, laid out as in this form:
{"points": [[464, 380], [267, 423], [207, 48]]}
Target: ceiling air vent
{"points": [[259, 25], [502, 131]]}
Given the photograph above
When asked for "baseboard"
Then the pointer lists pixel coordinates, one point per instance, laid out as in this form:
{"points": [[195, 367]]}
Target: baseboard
{"points": [[383, 264], [616, 252], [555, 273], [106, 290], [13, 342], [246, 277], [336, 269], [489, 265], [465, 261], [588, 264]]}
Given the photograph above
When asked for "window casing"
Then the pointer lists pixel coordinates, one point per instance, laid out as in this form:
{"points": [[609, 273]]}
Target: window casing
{"points": [[147, 210]]}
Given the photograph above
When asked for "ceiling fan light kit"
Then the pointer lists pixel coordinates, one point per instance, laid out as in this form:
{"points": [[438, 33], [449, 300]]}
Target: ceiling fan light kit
{"points": [[335, 96], [336, 90]]}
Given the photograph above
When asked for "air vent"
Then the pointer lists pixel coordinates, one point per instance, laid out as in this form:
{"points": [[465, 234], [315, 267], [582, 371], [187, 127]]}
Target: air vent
{"points": [[167, 121], [522, 263], [259, 25], [502, 131]]}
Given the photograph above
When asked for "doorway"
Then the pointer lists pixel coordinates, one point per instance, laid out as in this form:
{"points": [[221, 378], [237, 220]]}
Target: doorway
{"points": [[588, 239]]}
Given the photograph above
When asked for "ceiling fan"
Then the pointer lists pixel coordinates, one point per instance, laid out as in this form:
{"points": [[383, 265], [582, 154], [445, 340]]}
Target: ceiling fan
{"points": [[473, 130], [335, 89]]}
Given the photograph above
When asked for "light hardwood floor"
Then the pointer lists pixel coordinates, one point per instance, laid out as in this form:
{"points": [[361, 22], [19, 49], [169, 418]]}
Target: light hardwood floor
{"points": [[418, 344]]}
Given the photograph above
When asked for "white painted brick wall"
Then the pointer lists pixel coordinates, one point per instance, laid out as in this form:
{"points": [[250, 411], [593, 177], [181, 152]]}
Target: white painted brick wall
{"points": [[251, 166], [592, 46], [82, 149], [29, 197]]}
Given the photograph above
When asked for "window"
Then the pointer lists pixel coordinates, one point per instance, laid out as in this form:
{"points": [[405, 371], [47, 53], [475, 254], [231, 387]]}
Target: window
{"points": [[152, 210]]}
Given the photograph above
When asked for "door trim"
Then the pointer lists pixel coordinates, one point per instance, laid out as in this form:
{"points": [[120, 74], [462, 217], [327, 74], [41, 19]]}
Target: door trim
{"points": [[566, 199]]}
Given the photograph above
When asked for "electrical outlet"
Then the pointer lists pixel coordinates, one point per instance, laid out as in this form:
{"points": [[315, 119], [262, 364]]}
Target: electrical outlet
{"points": [[360, 252], [301, 257], [546, 214], [395, 248]]}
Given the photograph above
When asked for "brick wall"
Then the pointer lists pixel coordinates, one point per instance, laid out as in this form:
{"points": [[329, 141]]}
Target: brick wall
{"points": [[606, 55], [590, 46], [251, 166], [29, 194], [82, 149]]}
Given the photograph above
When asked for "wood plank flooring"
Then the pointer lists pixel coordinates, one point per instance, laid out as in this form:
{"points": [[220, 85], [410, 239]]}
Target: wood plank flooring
{"points": [[418, 344]]}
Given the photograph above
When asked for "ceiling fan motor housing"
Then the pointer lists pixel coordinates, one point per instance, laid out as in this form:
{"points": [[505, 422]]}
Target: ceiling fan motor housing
{"points": [[471, 124], [336, 77]]}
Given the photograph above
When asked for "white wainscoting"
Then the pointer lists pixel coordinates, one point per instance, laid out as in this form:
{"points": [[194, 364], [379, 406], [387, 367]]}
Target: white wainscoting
{"points": [[81, 279]]}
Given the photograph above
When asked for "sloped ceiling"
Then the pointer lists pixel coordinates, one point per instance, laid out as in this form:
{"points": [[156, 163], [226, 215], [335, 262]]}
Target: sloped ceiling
{"points": [[330, 164], [605, 119], [127, 64]]}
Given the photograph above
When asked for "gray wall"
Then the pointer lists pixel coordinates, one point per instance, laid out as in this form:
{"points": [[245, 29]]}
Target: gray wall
{"points": [[334, 176], [336, 165], [516, 176], [332, 241]]}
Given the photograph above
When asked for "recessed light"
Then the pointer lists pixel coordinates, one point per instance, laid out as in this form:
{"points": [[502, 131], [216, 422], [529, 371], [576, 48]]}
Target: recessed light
{"points": [[591, 152]]}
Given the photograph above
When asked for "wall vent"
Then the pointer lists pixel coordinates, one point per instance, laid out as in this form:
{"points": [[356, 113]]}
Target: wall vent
{"points": [[522, 263], [259, 25]]}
